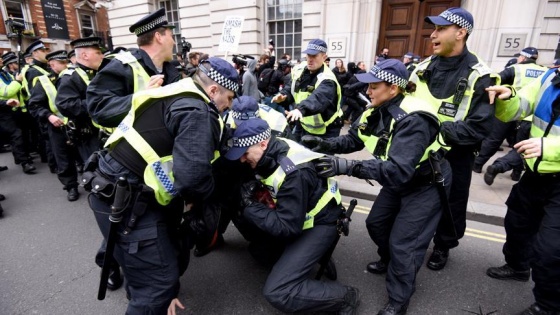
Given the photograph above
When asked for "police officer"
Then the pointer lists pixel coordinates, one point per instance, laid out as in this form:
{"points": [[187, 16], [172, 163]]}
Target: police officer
{"points": [[173, 129], [10, 88], [71, 96], [316, 94], [34, 135], [518, 75], [453, 80], [300, 229], [42, 107], [110, 93], [408, 60], [533, 216], [406, 212]]}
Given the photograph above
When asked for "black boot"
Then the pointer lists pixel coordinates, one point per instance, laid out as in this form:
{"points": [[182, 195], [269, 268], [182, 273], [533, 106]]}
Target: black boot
{"points": [[377, 267], [477, 168], [516, 175], [73, 194], [438, 259], [28, 168], [506, 272], [491, 173], [392, 309], [115, 280], [351, 302]]}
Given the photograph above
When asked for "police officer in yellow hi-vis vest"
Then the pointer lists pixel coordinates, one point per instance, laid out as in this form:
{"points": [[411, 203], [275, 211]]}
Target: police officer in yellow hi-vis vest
{"points": [[10, 89], [532, 221], [297, 227], [71, 96], [401, 132], [316, 93], [109, 95], [42, 107], [453, 80], [518, 75], [163, 150]]}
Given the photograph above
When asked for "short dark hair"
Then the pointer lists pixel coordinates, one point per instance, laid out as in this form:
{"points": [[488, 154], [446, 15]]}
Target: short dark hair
{"points": [[148, 38]]}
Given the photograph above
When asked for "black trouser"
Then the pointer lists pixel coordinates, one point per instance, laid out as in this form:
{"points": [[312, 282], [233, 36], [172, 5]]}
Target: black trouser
{"points": [[532, 226], [461, 160], [29, 130], [289, 287], [64, 156], [401, 223], [513, 160], [9, 127], [492, 143], [354, 109], [86, 145]]}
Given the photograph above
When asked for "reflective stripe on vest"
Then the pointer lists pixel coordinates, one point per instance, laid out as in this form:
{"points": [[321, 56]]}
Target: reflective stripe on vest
{"points": [[444, 114], [50, 90], [159, 172], [525, 73], [25, 82], [297, 154], [409, 104], [141, 77], [315, 124]]}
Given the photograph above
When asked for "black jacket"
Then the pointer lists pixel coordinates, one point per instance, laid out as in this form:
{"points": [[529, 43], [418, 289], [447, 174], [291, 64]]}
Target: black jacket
{"points": [[442, 76], [410, 138], [298, 194], [109, 94], [32, 73], [71, 96], [39, 102]]}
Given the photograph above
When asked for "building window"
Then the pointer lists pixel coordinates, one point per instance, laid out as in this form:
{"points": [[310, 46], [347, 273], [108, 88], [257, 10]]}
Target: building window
{"points": [[88, 28], [172, 12], [284, 26], [15, 10]]}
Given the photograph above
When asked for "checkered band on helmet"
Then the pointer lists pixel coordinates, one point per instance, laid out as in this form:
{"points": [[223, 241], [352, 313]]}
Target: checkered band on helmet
{"points": [[244, 116], [218, 77], [147, 27], [60, 56], [528, 55], [388, 77], [317, 47], [87, 44], [456, 19], [245, 142]]}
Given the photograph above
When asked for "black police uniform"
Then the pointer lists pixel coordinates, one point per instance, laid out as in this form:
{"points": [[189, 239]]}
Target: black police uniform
{"points": [[323, 100], [35, 136], [9, 127], [407, 210], [63, 152], [71, 102], [187, 128], [109, 94], [464, 137], [280, 239]]}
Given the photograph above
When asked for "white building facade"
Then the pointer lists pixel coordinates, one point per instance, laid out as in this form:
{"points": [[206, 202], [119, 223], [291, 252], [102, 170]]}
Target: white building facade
{"points": [[352, 28]]}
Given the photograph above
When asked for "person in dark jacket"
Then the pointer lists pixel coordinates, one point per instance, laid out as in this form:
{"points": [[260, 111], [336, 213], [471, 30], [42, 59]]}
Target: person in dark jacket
{"points": [[316, 94], [400, 131], [351, 91], [454, 80], [181, 122], [110, 93], [297, 226], [42, 107]]}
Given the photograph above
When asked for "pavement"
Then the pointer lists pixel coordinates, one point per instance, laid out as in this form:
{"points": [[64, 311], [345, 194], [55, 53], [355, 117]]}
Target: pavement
{"points": [[486, 203]]}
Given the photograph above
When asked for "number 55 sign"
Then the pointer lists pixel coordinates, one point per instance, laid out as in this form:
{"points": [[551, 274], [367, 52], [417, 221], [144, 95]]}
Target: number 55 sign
{"points": [[511, 44], [337, 47]]}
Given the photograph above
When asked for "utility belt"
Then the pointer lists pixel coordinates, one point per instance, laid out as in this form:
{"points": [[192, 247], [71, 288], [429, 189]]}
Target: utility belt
{"points": [[551, 176], [136, 198], [77, 131]]}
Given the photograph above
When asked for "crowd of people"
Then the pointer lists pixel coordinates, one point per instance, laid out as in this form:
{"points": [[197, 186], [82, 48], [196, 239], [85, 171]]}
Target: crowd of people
{"points": [[172, 151]]}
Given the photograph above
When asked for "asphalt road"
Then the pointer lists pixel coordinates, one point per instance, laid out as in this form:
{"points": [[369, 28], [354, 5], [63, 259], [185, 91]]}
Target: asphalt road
{"points": [[47, 248]]}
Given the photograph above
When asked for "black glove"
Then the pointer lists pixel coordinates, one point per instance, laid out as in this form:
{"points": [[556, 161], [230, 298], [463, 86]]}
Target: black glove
{"points": [[329, 166], [317, 144], [248, 192]]}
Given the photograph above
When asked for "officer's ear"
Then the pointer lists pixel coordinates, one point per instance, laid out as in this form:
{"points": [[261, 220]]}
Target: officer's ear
{"points": [[461, 33]]}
